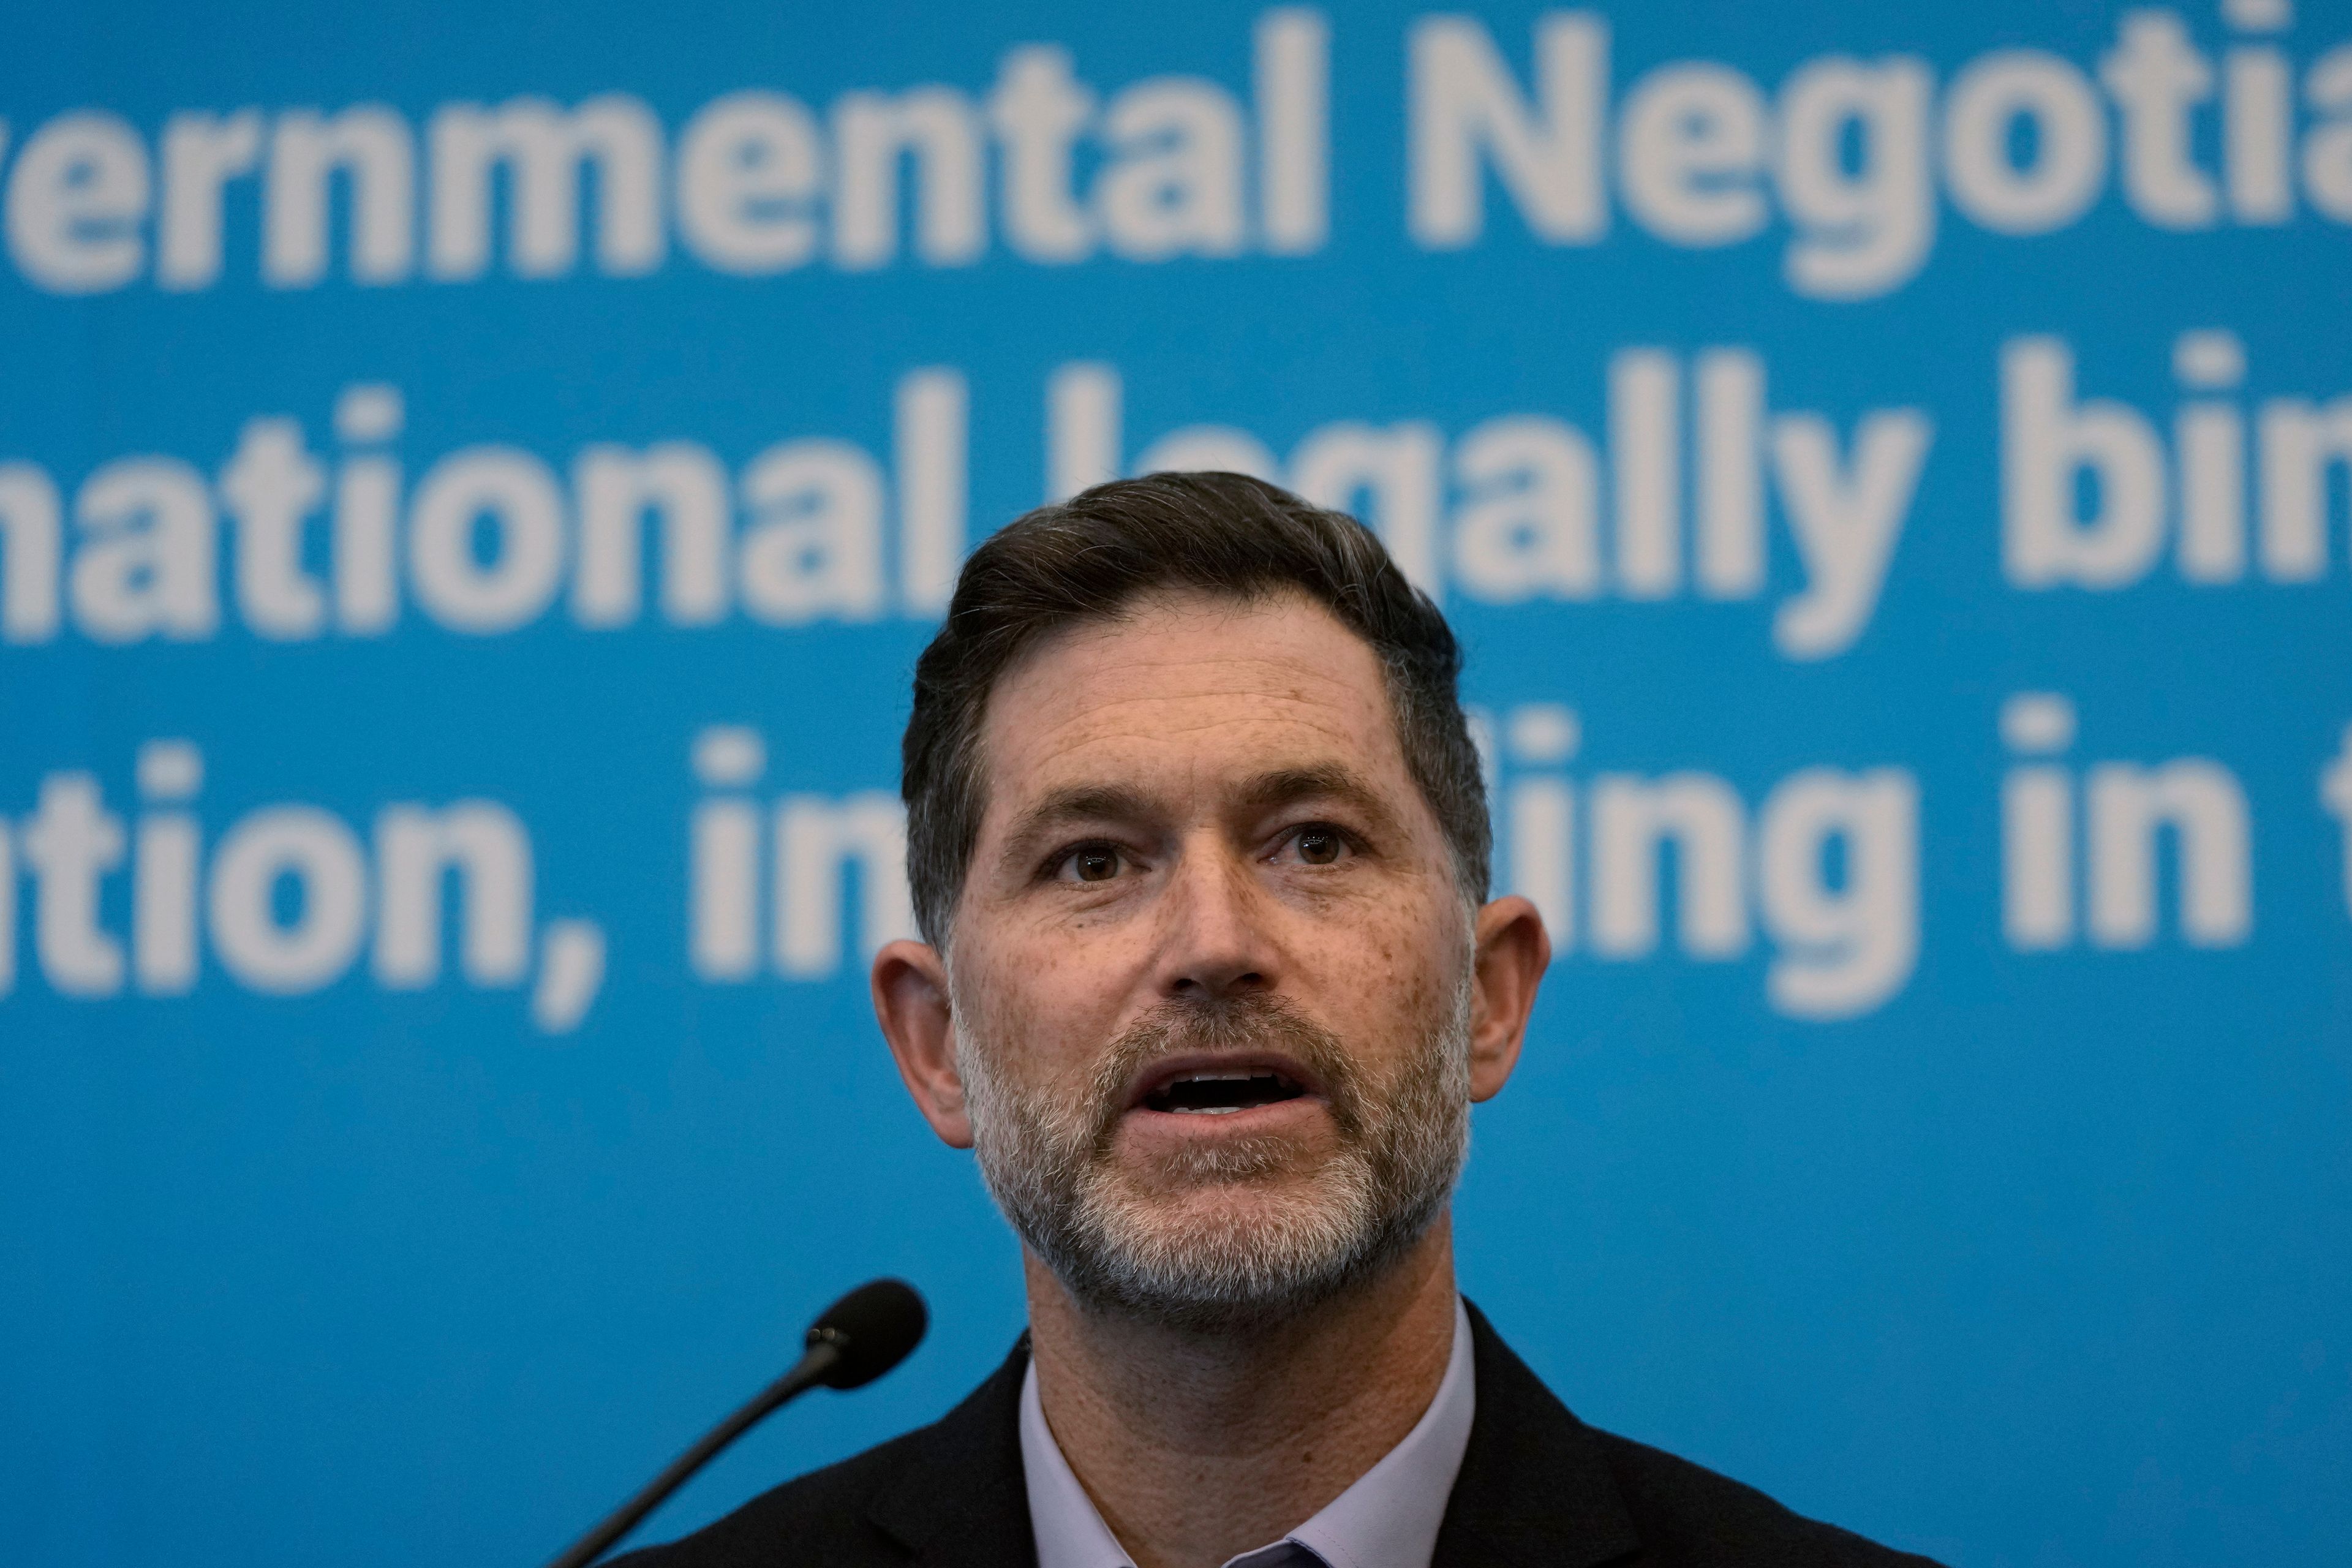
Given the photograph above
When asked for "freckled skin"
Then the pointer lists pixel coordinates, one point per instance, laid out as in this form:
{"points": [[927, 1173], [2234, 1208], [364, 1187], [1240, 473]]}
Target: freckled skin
{"points": [[1182, 876]]}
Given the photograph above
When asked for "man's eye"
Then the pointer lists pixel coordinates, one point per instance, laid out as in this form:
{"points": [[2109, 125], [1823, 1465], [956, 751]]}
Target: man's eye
{"points": [[1320, 845], [1094, 863]]}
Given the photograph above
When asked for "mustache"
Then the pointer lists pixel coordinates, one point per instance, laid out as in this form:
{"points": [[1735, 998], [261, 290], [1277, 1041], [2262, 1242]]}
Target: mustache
{"points": [[1234, 1024]]}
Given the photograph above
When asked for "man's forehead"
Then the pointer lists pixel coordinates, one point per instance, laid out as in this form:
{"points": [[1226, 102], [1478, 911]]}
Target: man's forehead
{"points": [[1191, 683]]}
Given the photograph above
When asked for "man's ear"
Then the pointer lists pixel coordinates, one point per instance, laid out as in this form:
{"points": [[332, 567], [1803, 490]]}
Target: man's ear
{"points": [[1513, 951], [910, 998]]}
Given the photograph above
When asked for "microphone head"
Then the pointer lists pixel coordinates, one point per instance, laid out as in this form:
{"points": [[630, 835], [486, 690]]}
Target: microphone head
{"points": [[874, 1328]]}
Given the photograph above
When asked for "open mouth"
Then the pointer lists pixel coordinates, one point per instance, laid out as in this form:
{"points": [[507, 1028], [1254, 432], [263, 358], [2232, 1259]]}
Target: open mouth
{"points": [[1216, 1091]]}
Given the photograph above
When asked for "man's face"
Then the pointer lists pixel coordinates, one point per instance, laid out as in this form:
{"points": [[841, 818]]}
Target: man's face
{"points": [[1211, 969]]}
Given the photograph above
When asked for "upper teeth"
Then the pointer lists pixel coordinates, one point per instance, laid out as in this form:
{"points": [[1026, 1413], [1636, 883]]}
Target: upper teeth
{"points": [[1164, 1097]]}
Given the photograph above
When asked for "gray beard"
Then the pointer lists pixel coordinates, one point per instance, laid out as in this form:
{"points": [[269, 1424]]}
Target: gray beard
{"points": [[1046, 1160]]}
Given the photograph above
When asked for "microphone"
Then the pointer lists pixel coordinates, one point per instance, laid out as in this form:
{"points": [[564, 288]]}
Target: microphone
{"points": [[857, 1338]]}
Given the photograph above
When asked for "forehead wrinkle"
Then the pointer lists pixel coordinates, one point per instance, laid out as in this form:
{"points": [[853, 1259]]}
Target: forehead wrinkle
{"points": [[1289, 700], [1113, 638], [1169, 730], [1282, 695], [1289, 687], [1113, 642]]}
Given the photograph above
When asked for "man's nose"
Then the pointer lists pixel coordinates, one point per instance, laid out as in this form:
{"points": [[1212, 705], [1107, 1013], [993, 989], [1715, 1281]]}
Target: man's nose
{"points": [[1215, 940]]}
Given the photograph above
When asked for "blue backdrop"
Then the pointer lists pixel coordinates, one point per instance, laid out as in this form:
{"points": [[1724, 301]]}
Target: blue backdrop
{"points": [[473, 483]]}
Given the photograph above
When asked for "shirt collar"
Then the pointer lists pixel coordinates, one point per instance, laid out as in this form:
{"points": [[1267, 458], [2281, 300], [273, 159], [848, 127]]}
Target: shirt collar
{"points": [[1388, 1519]]}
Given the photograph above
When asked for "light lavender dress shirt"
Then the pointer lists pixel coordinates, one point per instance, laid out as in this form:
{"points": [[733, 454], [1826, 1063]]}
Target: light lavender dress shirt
{"points": [[1389, 1518]]}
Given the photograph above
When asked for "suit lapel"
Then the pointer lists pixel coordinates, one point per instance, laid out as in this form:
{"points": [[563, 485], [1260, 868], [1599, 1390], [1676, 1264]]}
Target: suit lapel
{"points": [[1535, 1487], [963, 1500]]}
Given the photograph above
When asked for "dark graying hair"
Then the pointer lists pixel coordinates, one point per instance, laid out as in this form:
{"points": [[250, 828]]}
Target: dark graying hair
{"points": [[1088, 558]]}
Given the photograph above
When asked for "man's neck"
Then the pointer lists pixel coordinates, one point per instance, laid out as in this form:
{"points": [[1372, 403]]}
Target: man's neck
{"points": [[1197, 1446]]}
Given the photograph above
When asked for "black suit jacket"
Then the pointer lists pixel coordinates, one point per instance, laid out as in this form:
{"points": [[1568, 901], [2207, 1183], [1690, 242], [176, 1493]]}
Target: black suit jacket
{"points": [[1538, 1487]]}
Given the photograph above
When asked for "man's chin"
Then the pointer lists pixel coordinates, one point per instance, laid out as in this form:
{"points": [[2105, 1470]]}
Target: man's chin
{"points": [[1220, 1264], [1228, 1181], [1293, 1209]]}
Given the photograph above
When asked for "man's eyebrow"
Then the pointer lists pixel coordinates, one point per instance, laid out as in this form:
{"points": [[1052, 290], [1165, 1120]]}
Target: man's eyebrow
{"points": [[1079, 803], [1287, 787], [1266, 791]]}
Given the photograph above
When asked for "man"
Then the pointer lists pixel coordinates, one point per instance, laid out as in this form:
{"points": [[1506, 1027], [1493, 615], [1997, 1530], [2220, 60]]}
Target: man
{"points": [[1198, 844]]}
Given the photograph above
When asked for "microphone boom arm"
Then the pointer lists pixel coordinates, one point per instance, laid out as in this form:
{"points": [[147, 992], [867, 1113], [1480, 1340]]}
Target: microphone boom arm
{"points": [[860, 1337], [806, 1374]]}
